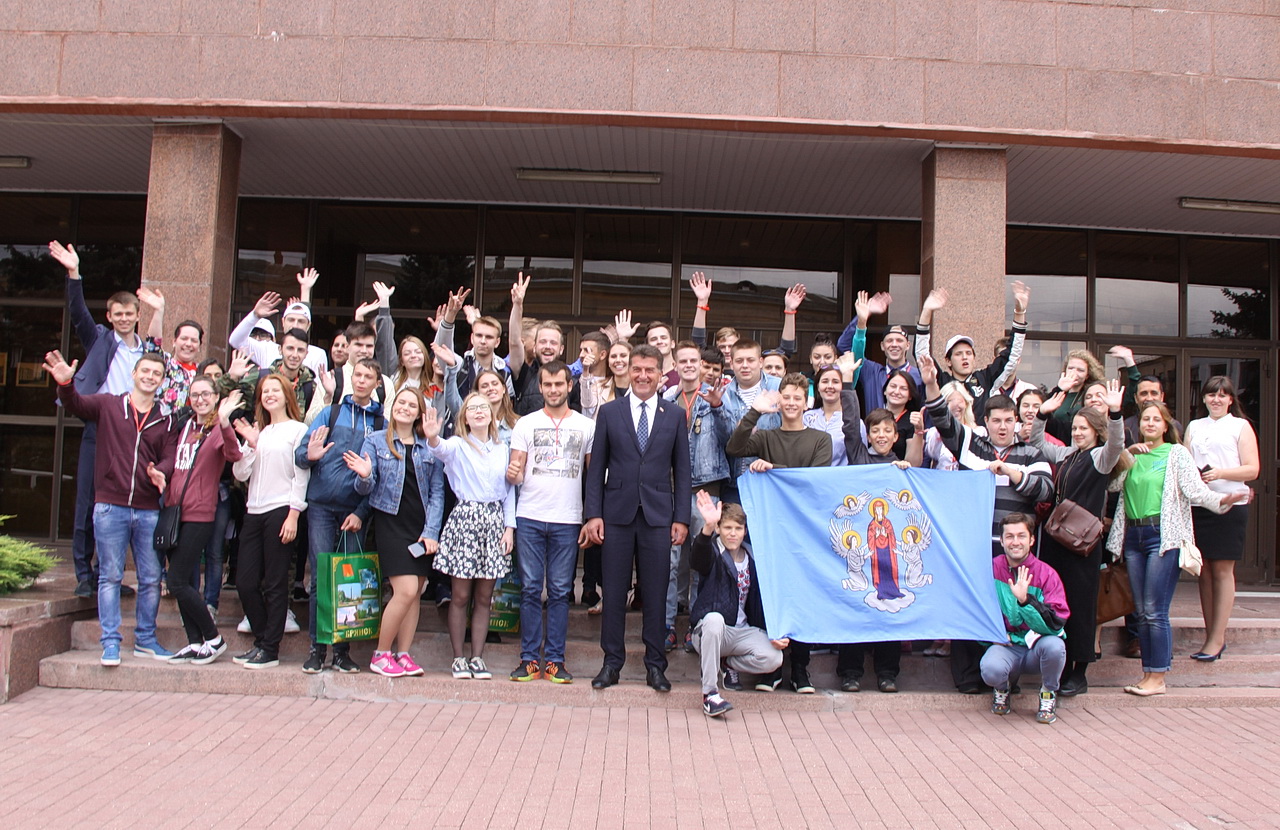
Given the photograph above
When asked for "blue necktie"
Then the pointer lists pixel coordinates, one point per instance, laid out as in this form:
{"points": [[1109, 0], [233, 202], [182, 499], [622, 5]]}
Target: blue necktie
{"points": [[642, 428]]}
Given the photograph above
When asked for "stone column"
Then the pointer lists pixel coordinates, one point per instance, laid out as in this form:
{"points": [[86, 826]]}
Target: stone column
{"points": [[962, 243], [189, 250]]}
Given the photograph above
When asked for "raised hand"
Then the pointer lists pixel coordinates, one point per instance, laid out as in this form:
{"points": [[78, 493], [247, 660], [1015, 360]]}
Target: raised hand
{"points": [[444, 354], [266, 305], [767, 401], [714, 395], [879, 303], [66, 257], [794, 297], [229, 405], [928, 370], [383, 292], [366, 309], [1021, 297], [249, 432], [936, 300], [316, 447], [701, 287], [1055, 400], [588, 360], [455, 303], [307, 280], [57, 367], [709, 508], [917, 420], [151, 298], [431, 425], [848, 365], [622, 325], [1022, 584], [157, 477], [1122, 353], [1114, 396], [328, 383], [471, 313], [861, 306], [240, 363], [519, 288]]}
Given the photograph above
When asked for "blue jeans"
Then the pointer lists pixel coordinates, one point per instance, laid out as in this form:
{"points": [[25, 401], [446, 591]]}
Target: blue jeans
{"points": [[117, 529], [322, 537], [213, 553], [548, 553], [1003, 664], [1153, 576]]}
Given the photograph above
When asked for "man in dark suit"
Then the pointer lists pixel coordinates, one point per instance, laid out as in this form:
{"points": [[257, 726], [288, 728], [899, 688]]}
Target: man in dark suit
{"points": [[637, 506]]}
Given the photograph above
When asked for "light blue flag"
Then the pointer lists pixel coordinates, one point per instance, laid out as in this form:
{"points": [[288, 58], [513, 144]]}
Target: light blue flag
{"points": [[872, 553]]}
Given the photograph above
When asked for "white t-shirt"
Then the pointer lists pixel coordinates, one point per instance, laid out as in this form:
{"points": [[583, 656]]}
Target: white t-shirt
{"points": [[557, 452], [1217, 444], [743, 569]]}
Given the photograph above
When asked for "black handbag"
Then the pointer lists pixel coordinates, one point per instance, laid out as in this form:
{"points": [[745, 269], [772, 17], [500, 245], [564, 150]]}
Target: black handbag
{"points": [[169, 522]]}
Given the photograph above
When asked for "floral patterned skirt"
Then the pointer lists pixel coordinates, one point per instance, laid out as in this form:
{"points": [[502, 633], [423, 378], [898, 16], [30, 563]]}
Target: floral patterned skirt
{"points": [[471, 542]]}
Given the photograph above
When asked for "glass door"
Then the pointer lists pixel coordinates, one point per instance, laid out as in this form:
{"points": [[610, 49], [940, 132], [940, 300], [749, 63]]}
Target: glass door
{"points": [[1249, 371]]}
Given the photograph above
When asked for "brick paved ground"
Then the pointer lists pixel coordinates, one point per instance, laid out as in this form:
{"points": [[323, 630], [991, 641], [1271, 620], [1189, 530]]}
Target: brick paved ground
{"points": [[117, 759]]}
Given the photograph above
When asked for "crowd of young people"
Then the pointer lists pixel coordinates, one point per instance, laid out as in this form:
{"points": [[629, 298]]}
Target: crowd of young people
{"points": [[464, 467]]}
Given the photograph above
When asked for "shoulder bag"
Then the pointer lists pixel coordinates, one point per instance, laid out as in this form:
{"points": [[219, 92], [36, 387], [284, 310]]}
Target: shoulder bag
{"points": [[1070, 525], [169, 521]]}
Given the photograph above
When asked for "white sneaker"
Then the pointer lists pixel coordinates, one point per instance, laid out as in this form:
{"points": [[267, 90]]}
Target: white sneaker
{"points": [[213, 612], [291, 623], [244, 627], [479, 671], [461, 668]]}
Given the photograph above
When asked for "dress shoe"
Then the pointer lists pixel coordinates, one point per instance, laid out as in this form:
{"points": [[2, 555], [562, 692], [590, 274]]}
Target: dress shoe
{"points": [[657, 680], [849, 683], [1141, 692], [607, 677], [1073, 685], [1133, 649], [1206, 657], [887, 684]]}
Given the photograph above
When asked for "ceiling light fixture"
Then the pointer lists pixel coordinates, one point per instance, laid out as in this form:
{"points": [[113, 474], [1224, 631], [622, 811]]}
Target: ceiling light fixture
{"points": [[1229, 205], [15, 162], [549, 174]]}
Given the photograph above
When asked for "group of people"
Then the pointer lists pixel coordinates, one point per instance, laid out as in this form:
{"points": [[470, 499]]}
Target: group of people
{"points": [[466, 466]]}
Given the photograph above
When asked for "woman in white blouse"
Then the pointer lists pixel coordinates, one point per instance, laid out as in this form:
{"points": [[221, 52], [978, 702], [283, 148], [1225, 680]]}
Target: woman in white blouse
{"points": [[1225, 449], [277, 496], [475, 545]]}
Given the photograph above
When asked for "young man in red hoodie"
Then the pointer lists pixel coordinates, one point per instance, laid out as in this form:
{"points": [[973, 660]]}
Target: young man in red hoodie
{"points": [[136, 448]]}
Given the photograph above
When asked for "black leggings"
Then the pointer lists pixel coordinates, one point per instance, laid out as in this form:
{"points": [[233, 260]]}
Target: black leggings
{"points": [[263, 581], [183, 562]]}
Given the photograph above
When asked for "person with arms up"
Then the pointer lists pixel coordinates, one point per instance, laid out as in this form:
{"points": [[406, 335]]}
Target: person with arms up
{"points": [[637, 507], [134, 458]]}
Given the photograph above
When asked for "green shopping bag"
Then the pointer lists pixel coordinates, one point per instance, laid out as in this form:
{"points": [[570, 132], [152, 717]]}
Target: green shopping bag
{"points": [[348, 595], [504, 610]]}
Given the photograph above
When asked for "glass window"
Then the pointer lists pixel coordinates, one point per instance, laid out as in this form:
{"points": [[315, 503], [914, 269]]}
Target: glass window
{"points": [[26, 478], [1228, 291], [109, 232], [894, 266], [1137, 287], [539, 243], [1054, 265], [626, 264], [1163, 366], [1245, 374], [72, 434], [752, 263], [26, 334], [29, 222], [272, 242]]}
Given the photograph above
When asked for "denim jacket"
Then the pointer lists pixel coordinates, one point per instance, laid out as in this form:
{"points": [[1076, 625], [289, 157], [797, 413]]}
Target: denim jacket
{"points": [[708, 434], [385, 485], [733, 407]]}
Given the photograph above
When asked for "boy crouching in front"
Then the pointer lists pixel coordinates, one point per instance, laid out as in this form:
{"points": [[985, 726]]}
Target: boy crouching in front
{"points": [[728, 617]]}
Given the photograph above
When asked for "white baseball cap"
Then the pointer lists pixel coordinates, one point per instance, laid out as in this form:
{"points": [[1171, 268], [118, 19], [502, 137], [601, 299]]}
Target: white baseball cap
{"points": [[959, 338]]}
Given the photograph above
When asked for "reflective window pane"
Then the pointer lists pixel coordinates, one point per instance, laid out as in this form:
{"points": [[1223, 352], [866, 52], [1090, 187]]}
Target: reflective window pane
{"points": [[1054, 265], [272, 244], [626, 264], [1137, 288], [538, 243], [1228, 289], [26, 334], [1042, 360], [1163, 366], [26, 478], [1245, 374], [27, 223]]}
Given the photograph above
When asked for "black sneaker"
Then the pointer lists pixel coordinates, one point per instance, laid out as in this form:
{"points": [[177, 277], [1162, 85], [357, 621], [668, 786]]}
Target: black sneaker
{"points": [[557, 673], [85, 589], [800, 681], [300, 594], [262, 660], [590, 598], [849, 683], [769, 682], [314, 663], [714, 705], [127, 591], [246, 657], [182, 655], [731, 680], [342, 662]]}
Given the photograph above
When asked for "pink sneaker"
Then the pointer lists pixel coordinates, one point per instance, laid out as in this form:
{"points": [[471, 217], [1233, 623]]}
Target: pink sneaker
{"points": [[385, 664], [411, 669]]}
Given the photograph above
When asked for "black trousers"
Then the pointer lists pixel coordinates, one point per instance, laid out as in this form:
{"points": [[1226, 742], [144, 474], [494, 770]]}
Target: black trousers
{"points": [[263, 580], [592, 578], [650, 548], [184, 561], [966, 663], [885, 657]]}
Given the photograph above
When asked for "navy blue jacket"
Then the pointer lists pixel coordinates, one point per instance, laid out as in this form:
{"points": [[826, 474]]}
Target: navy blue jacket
{"points": [[99, 345], [622, 481], [718, 588]]}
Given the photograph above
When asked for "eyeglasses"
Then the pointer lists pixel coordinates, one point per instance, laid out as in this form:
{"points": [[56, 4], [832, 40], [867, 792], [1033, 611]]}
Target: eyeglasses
{"points": [[479, 408], [199, 395]]}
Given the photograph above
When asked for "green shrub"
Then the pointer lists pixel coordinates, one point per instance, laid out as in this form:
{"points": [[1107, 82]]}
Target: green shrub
{"points": [[21, 562]]}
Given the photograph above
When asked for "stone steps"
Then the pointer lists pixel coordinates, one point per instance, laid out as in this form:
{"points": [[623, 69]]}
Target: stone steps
{"points": [[80, 669]]}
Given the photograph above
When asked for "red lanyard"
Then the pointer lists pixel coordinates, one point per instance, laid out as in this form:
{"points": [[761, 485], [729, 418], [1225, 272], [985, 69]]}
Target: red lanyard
{"points": [[688, 406], [140, 424]]}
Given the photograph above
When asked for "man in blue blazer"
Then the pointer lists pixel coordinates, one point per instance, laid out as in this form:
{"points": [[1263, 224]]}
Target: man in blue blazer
{"points": [[637, 507]]}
